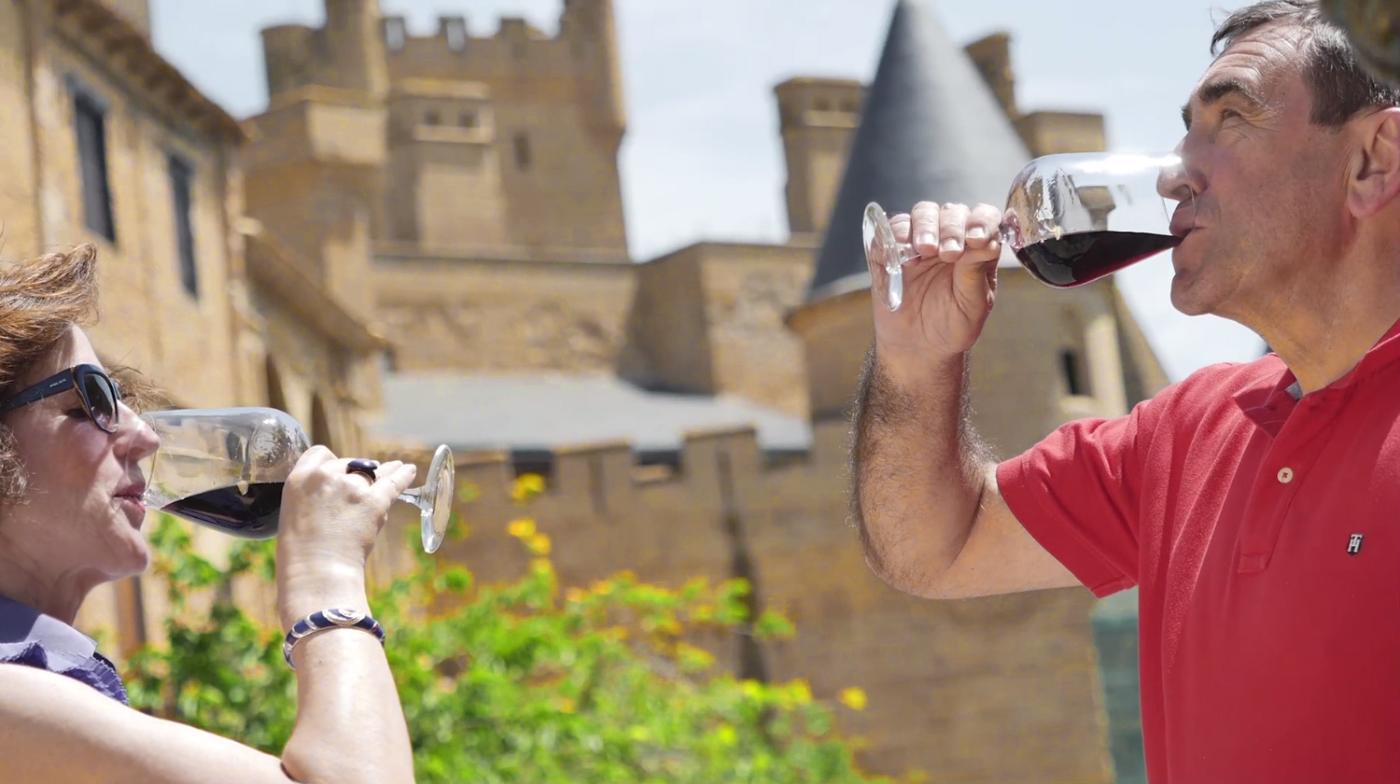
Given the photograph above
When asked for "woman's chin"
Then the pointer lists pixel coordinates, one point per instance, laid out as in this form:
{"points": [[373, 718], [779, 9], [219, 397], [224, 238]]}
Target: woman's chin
{"points": [[131, 557]]}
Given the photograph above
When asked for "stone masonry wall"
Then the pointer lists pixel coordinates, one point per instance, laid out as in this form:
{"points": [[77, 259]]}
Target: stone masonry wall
{"points": [[993, 690]]}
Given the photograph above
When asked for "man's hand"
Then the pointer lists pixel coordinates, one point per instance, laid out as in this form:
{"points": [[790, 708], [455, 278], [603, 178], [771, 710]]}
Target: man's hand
{"points": [[948, 290]]}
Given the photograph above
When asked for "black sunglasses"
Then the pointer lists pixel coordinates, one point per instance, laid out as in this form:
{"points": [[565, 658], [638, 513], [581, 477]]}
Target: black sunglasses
{"points": [[99, 393]]}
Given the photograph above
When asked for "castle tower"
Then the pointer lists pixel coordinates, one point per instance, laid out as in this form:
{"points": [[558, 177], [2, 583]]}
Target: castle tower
{"points": [[314, 169], [818, 119], [504, 146]]}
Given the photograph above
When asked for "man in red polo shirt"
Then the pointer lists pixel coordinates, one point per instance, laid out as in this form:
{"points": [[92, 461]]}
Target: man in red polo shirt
{"points": [[1257, 505]]}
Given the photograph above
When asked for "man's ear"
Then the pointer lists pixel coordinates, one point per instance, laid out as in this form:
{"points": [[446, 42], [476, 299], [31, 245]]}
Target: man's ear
{"points": [[1376, 181]]}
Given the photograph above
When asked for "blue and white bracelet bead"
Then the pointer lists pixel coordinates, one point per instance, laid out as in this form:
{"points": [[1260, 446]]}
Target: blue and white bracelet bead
{"points": [[331, 618]]}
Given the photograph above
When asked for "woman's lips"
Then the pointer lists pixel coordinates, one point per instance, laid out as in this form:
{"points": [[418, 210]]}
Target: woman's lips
{"points": [[135, 508]]}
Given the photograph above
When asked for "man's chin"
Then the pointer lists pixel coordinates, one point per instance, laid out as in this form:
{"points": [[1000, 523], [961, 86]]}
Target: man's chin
{"points": [[1185, 296]]}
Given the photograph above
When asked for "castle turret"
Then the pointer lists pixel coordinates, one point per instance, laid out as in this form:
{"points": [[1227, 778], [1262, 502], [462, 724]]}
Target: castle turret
{"points": [[348, 53], [354, 48], [819, 118], [591, 30]]}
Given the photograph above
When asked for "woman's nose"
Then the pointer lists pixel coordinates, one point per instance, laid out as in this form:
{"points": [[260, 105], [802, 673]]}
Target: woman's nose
{"points": [[136, 438]]}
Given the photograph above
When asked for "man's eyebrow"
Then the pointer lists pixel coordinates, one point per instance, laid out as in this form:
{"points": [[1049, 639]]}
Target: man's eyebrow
{"points": [[1216, 90]]}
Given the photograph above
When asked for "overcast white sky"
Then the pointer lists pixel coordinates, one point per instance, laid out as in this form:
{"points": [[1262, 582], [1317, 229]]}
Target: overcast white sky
{"points": [[703, 159]]}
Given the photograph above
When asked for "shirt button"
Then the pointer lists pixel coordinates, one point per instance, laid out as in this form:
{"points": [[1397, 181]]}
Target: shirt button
{"points": [[1285, 475]]}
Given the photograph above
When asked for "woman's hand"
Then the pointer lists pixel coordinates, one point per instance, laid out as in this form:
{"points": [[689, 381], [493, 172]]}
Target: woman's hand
{"points": [[329, 522]]}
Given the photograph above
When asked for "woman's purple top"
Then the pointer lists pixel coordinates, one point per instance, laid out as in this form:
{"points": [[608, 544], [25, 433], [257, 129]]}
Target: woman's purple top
{"points": [[29, 637]]}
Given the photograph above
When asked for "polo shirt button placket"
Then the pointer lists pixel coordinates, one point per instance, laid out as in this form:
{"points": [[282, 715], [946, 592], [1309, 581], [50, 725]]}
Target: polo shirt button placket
{"points": [[1262, 533]]}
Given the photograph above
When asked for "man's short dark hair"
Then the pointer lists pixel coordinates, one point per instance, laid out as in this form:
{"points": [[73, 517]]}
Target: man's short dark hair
{"points": [[1340, 85]]}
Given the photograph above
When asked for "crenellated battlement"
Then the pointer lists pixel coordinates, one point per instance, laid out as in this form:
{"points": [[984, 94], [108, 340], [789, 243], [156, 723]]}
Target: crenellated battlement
{"points": [[585, 38], [717, 470]]}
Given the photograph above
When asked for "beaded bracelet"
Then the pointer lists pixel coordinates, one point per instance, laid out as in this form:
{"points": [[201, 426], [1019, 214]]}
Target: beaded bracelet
{"points": [[331, 618]]}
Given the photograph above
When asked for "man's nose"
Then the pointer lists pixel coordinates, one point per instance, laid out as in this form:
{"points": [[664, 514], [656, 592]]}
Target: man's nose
{"points": [[1181, 180]]}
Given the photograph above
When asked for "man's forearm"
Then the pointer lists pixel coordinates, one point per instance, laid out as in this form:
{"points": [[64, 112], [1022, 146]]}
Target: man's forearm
{"points": [[917, 467]]}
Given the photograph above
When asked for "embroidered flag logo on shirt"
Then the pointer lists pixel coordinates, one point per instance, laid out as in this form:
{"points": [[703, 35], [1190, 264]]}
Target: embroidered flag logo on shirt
{"points": [[1354, 546]]}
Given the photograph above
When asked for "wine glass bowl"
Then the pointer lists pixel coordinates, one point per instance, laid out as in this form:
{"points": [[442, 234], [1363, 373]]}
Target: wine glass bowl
{"points": [[1070, 219], [225, 468]]}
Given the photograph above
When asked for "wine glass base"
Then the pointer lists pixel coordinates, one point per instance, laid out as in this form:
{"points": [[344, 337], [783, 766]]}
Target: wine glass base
{"points": [[880, 244], [437, 498]]}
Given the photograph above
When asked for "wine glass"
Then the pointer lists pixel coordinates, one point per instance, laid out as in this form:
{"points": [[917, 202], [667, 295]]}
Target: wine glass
{"points": [[1070, 219], [225, 468]]}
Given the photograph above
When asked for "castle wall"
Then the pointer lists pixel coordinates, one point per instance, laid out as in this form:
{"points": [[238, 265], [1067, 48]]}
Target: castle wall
{"points": [[494, 315], [142, 265], [19, 218], [667, 325], [1000, 689], [748, 290]]}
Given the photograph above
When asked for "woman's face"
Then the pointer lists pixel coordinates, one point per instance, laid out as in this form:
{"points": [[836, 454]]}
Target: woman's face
{"points": [[81, 513]]}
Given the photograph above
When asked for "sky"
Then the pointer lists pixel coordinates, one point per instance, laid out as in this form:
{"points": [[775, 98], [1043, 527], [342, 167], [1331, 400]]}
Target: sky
{"points": [[703, 160]]}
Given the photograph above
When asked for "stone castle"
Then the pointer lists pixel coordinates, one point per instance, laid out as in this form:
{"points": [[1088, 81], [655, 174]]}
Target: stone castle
{"points": [[422, 239]]}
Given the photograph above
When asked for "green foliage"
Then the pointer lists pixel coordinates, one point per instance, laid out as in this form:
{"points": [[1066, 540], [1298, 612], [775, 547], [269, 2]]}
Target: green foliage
{"points": [[519, 682]]}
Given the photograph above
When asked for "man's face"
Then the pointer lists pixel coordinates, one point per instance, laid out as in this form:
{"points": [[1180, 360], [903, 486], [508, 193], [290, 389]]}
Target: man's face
{"points": [[1261, 188]]}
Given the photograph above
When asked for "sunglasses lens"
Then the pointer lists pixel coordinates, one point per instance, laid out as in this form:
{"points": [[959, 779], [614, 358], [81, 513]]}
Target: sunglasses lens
{"points": [[102, 400]]}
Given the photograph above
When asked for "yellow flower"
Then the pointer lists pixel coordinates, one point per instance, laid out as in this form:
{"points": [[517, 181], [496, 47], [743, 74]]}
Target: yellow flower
{"points": [[538, 544], [801, 691], [526, 486], [521, 528], [566, 705], [853, 698]]}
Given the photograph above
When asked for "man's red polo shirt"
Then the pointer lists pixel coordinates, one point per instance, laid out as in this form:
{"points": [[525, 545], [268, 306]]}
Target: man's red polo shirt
{"points": [[1264, 533]]}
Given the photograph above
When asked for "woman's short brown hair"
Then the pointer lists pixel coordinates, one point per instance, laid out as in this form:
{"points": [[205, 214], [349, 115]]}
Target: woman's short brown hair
{"points": [[40, 300]]}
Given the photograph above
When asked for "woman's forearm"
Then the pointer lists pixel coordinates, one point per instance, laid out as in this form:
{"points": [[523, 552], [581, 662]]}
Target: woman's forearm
{"points": [[350, 725]]}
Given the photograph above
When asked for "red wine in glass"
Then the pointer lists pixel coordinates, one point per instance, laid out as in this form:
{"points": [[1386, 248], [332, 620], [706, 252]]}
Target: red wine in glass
{"points": [[1076, 259], [251, 512]]}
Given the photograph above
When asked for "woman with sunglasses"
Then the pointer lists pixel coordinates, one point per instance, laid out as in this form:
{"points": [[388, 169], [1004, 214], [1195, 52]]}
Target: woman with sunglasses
{"points": [[70, 519]]}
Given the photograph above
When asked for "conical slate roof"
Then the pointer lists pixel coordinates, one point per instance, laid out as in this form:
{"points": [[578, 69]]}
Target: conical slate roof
{"points": [[930, 130]]}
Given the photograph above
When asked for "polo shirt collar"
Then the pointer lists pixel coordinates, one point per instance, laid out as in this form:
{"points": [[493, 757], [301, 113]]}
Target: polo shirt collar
{"points": [[22, 626], [1268, 404]]}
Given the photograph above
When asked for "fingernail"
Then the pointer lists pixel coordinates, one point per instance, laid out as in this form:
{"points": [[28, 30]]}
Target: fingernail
{"points": [[976, 233], [926, 238], [951, 246]]}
